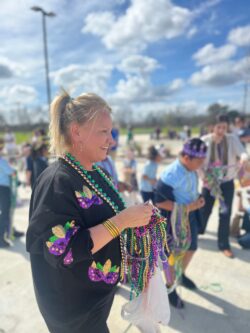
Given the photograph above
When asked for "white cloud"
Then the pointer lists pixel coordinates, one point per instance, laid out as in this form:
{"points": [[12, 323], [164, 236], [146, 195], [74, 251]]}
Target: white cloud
{"points": [[91, 77], [243, 68], [99, 23], [137, 89], [143, 22], [18, 93], [209, 54], [138, 64], [240, 36], [224, 74], [176, 85]]}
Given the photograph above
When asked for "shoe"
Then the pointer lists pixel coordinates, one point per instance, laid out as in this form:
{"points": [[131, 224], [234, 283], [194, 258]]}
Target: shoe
{"points": [[188, 283], [175, 300], [4, 244], [18, 234], [228, 253]]}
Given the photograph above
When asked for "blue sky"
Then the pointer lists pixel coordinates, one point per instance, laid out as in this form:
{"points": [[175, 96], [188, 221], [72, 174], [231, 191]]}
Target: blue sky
{"points": [[143, 56]]}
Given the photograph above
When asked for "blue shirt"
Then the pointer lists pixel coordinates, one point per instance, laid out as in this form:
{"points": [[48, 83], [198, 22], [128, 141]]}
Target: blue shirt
{"points": [[109, 166], [5, 172], [115, 136], [183, 182], [150, 170]]}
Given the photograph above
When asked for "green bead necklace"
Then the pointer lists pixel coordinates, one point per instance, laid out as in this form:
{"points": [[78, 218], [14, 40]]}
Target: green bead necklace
{"points": [[96, 187]]}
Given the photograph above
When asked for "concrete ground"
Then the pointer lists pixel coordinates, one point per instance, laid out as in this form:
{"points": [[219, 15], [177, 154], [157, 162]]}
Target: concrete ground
{"points": [[221, 303]]}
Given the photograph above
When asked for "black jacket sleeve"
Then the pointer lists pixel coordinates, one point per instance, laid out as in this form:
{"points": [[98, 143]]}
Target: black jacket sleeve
{"points": [[56, 229]]}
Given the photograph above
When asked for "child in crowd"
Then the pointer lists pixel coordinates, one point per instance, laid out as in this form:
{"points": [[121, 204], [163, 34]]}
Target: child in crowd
{"points": [[240, 227], [6, 173], [129, 173], [177, 191], [148, 179]]}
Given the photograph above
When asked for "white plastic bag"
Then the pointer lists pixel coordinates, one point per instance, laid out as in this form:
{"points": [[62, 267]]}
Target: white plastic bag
{"points": [[149, 308]]}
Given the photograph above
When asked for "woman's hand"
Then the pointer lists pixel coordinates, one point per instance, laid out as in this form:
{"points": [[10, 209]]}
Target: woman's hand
{"points": [[135, 216]]}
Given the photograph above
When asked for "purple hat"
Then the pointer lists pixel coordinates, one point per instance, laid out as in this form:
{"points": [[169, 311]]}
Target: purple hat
{"points": [[195, 148]]}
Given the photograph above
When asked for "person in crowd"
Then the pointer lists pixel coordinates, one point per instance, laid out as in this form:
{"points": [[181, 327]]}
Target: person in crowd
{"points": [[6, 173], [130, 135], [130, 173], [29, 174], [115, 135], [158, 133], [225, 155], [39, 136], [36, 136], [36, 162], [39, 157], [239, 125], [178, 187], [149, 173], [241, 129], [76, 218], [240, 227], [109, 165], [10, 143]]}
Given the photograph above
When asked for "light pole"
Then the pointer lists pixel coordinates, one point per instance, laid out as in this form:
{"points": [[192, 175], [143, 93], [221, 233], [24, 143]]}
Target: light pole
{"points": [[247, 81], [245, 96], [44, 14]]}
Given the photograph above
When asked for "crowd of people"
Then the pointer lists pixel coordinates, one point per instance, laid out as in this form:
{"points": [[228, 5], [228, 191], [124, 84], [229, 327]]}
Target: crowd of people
{"points": [[78, 204], [31, 158]]}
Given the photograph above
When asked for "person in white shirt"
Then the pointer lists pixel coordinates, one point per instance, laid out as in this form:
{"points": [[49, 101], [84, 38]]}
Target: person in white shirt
{"points": [[10, 143], [224, 156]]}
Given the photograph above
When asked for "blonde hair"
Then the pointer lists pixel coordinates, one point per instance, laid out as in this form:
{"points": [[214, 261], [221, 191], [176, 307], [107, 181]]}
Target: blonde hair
{"points": [[65, 110]]}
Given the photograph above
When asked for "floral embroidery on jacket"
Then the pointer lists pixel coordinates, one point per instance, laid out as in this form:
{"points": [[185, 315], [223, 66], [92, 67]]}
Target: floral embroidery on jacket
{"points": [[106, 273], [58, 243], [87, 198]]}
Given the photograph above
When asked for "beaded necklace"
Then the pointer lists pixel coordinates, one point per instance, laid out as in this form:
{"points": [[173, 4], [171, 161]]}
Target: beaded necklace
{"points": [[140, 247], [99, 191], [86, 175]]}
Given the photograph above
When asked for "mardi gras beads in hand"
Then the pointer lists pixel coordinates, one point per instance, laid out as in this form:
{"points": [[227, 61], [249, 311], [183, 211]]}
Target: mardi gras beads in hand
{"points": [[144, 246]]}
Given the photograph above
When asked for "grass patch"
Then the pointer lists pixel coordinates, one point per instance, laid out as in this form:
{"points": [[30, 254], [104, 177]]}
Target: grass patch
{"points": [[21, 137]]}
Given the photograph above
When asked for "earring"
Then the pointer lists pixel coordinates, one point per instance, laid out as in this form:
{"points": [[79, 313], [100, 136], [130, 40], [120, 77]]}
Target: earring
{"points": [[81, 147]]}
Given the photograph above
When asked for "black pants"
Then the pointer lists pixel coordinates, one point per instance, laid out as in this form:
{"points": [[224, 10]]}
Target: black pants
{"points": [[147, 196], [246, 223], [227, 189], [5, 204]]}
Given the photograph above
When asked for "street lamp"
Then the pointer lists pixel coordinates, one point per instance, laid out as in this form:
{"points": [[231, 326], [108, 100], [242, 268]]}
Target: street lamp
{"points": [[44, 14]]}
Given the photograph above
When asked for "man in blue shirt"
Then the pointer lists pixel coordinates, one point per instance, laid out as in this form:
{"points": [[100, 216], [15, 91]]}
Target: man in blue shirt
{"points": [[178, 186]]}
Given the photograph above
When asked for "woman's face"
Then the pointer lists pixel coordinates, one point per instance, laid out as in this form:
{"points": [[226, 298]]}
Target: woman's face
{"points": [[220, 130], [95, 138]]}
